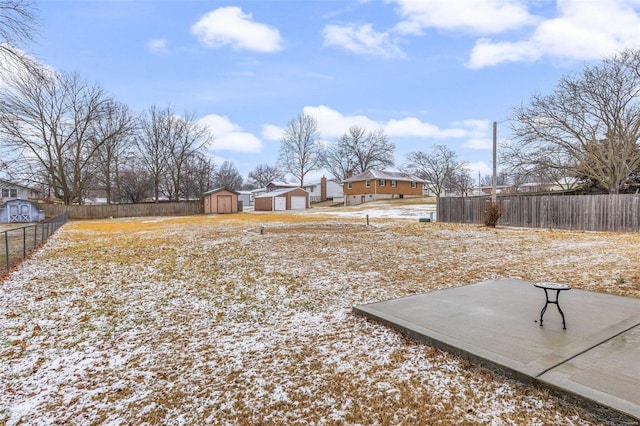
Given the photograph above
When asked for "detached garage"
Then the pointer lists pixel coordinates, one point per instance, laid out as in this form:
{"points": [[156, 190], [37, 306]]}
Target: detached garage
{"points": [[220, 201], [282, 199]]}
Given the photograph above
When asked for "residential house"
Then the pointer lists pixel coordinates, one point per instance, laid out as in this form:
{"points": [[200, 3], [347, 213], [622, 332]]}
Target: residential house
{"points": [[15, 191], [276, 185], [323, 190], [374, 185]]}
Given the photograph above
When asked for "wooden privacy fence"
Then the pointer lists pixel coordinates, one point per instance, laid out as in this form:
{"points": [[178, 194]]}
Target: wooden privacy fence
{"points": [[124, 210], [610, 213]]}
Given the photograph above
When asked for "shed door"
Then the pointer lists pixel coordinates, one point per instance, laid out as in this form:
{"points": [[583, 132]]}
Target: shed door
{"points": [[298, 202], [279, 203], [224, 203]]}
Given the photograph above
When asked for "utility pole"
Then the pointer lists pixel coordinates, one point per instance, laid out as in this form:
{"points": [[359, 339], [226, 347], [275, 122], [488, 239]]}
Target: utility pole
{"points": [[494, 180]]}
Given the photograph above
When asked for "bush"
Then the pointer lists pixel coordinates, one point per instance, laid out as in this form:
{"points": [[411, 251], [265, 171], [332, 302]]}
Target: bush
{"points": [[492, 214]]}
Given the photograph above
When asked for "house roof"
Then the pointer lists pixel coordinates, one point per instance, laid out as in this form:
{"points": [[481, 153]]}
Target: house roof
{"points": [[6, 182], [213, 191], [278, 192], [258, 190], [318, 182], [383, 174], [282, 184]]}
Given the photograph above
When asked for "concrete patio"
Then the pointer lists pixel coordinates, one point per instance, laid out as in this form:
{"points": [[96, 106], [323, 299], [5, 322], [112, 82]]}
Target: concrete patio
{"points": [[595, 362]]}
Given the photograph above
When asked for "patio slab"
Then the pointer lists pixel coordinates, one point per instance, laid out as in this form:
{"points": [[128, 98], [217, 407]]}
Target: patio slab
{"points": [[595, 361]]}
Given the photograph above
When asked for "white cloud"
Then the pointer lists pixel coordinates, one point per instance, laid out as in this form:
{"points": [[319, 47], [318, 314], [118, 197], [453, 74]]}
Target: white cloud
{"points": [[584, 30], [411, 126], [333, 124], [487, 53], [271, 132], [230, 26], [479, 134], [362, 39], [229, 136], [480, 166], [477, 16], [157, 45]]}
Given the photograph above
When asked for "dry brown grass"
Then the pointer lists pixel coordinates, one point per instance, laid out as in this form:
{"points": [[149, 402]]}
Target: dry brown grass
{"points": [[204, 320]]}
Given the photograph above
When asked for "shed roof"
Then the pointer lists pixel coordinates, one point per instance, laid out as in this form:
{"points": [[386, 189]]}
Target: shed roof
{"points": [[213, 191], [383, 174]]}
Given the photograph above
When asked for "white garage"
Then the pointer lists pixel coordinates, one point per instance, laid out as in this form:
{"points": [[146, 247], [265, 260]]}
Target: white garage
{"points": [[282, 199], [298, 202], [279, 203]]}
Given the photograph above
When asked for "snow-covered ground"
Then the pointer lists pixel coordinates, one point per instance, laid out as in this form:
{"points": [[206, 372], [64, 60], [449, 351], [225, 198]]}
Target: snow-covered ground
{"points": [[381, 210], [204, 320]]}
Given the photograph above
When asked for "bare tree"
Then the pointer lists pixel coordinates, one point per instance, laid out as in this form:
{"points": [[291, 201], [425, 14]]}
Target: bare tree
{"points": [[589, 126], [17, 28], [153, 141], [199, 175], [135, 182], [264, 173], [461, 181], [300, 152], [187, 139], [113, 136], [502, 179], [339, 161], [49, 122], [227, 176], [435, 168], [357, 151]]}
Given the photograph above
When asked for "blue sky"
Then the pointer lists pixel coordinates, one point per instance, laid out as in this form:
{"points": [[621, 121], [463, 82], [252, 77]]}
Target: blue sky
{"points": [[427, 72]]}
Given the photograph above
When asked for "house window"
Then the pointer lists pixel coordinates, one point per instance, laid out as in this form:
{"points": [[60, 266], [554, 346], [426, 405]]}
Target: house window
{"points": [[381, 182], [348, 185], [393, 183], [367, 183], [5, 193], [414, 184]]}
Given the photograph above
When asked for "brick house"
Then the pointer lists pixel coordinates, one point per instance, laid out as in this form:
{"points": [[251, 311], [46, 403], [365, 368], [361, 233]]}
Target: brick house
{"points": [[374, 185]]}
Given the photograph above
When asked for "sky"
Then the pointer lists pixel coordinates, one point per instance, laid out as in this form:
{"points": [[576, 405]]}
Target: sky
{"points": [[426, 72]]}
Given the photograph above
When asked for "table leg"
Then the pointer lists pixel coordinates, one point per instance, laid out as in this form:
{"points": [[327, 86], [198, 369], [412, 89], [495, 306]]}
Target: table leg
{"points": [[546, 296], [564, 326], [557, 303]]}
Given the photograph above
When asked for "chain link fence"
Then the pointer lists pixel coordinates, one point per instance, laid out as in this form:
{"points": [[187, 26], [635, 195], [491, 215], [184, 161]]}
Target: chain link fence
{"points": [[17, 243]]}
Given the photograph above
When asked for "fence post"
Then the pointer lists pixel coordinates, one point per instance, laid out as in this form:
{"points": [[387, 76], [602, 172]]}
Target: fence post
{"points": [[6, 248], [24, 242]]}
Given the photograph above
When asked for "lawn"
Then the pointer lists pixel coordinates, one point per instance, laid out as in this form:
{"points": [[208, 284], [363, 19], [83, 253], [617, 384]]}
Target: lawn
{"points": [[205, 320]]}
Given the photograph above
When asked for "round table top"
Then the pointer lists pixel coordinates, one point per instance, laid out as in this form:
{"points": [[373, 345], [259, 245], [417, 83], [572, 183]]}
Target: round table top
{"points": [[553, 286]]}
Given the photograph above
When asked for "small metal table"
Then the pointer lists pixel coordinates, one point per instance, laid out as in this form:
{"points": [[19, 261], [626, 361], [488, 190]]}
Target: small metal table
{"points": [[558, 288]]}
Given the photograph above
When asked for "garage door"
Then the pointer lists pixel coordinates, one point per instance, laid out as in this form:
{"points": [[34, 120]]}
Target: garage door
{"points": [[279, 203], [298, 203]]}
